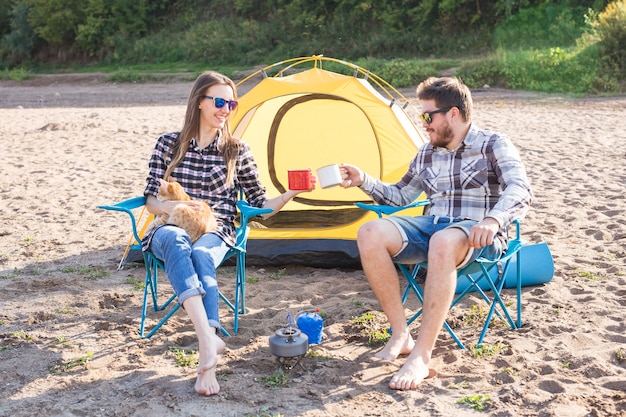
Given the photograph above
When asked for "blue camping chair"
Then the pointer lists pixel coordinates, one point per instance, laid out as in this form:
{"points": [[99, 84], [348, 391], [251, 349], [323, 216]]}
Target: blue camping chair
{"points": [[153, 264], [478, 276]]}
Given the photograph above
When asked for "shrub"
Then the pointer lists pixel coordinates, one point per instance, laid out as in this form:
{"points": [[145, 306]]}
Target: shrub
{"points": [[610, 26], [548, 25], [475, 73], [571, 70]]}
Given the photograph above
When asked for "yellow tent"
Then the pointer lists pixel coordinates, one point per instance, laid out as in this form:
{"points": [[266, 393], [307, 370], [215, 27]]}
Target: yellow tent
{"points": [[305, 116]]}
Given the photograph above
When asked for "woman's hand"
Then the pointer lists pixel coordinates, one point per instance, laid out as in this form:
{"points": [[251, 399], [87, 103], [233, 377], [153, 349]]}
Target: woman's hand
{"points": [[312, 181], [195, 205], [156, 206]]}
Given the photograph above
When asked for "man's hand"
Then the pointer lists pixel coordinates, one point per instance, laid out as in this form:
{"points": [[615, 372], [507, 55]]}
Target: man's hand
{"points": [[351, 176], [482, 234]]}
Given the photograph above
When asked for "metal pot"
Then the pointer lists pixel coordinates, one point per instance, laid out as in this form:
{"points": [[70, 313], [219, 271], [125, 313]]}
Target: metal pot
{"points": [[288, 342]]}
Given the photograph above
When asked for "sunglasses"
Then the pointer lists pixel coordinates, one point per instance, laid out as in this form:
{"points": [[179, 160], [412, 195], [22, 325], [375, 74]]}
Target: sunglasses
{"points": [[427, 117], [221, 102]]}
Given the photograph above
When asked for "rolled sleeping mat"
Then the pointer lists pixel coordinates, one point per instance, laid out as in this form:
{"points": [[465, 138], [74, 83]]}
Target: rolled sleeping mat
{"points": [[537, 268]]}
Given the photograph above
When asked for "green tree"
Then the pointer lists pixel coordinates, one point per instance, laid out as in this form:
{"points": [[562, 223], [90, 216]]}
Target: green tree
{"points": [[56, 21], [106, 20], [21, 40], [6, 8]]}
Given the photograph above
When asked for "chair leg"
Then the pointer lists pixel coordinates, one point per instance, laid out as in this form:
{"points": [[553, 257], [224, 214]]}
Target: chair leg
{"points": [[518, 259], [151, 286], [411, 277], [496, 300], [240, 290], [496, 288], [241, 281], [234, 306], [474, 286], [238, 305], [144, 307], [162, 321], [454, 336]]}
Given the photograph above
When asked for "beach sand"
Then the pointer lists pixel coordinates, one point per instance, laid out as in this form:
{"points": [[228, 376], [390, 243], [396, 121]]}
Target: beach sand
{"points": [[69, 343]]}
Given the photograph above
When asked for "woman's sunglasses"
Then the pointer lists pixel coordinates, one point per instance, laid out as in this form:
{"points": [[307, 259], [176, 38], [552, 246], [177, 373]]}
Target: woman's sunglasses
{"points": [[427, 117], [221, 102]]}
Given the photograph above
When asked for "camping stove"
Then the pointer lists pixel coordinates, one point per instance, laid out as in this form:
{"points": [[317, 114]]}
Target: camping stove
{"points": [[289, 345]]}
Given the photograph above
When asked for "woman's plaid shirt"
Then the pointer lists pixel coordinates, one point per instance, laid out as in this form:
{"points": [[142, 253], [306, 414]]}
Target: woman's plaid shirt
{"points": [[202, 174]]}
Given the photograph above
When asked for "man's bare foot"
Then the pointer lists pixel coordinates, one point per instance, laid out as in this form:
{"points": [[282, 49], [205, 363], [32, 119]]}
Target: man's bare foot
{"points": [[206, 382], [412, 373], [400, 344]]}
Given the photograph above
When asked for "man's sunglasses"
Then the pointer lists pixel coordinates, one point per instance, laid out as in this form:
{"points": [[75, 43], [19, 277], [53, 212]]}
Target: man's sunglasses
{"points": [[221, 102], [427, 117]]}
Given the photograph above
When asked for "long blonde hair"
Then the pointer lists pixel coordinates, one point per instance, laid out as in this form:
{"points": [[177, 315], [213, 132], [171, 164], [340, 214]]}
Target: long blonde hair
{"points": [[229, 146]]}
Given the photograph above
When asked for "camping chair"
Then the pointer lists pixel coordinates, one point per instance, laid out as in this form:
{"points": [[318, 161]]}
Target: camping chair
{"points": [[478, 276], [153, 264]]}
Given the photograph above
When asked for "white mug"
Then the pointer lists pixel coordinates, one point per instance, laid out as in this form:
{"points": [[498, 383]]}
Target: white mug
{"points": [[329, 176]]}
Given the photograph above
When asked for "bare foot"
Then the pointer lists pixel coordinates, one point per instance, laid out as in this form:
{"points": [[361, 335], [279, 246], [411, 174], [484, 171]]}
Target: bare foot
{"points": [[220, 346], [412, 373], [206, 382], [399, 344]]}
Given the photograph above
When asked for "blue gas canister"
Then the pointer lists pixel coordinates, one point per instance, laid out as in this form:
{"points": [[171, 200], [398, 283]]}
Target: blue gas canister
{"points": [[311, 324]]}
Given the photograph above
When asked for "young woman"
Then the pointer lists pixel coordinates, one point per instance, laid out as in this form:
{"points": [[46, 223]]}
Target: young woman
{"points": [[212, 166]]}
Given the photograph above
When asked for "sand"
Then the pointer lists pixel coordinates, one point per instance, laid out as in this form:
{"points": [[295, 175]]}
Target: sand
{"points": [[69, 320]]}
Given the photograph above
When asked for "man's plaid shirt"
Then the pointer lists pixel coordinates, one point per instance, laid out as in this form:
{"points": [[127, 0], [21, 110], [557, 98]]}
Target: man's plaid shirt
{"points": [[483, 177]]}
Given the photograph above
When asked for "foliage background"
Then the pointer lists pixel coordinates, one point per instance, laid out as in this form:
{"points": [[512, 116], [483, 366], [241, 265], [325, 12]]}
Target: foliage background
{"points": [[511, 43]]}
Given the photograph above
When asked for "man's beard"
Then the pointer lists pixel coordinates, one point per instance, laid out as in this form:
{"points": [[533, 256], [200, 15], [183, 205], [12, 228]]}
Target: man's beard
{"points": [[443, 136]]}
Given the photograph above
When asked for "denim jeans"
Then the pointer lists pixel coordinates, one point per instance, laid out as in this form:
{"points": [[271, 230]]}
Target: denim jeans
{"points": [[191, 269]]}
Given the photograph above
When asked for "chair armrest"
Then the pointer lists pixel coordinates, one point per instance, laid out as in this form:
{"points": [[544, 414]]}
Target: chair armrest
{"points": [[518, 235], [515, 244], [381, 209], [127, 206], [248, 212]]}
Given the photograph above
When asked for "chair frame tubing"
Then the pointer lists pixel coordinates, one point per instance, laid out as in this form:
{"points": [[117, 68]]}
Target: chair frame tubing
{"points": [[152, 265], [152, 269], [484, 271]]}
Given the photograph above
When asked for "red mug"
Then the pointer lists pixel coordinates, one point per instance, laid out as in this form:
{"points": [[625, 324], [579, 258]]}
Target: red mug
{"points": [[300, 179]]}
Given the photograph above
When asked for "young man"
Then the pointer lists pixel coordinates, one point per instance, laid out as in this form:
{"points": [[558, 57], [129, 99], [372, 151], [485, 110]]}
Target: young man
{"points": [[476, 184]]}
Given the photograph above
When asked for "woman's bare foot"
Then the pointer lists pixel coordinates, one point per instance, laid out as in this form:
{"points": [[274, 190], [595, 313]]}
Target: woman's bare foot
{"points": [[412, 373], [206, 382], [399, 344]]}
